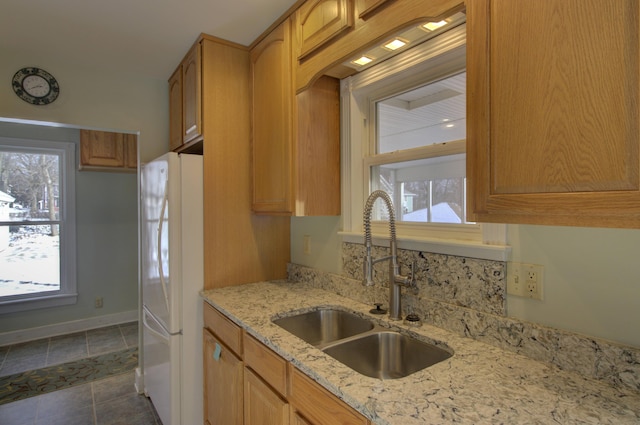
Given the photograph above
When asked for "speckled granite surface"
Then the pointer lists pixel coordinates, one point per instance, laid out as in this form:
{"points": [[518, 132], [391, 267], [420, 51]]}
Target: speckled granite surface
{"points": [[613, 363], [480, 384]]}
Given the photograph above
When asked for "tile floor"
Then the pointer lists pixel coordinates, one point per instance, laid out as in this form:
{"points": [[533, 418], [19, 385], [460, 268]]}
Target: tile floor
{"points": [[108, 401]]}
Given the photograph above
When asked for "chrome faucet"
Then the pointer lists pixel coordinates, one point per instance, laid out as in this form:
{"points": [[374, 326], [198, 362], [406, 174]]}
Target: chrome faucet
{"points": [[396, 280]]}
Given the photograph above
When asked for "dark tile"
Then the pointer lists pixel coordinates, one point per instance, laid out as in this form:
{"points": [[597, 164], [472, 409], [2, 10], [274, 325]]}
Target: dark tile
{"points": [[66, 348], [3, 353], [105, 340], [130, 333], [21, 412], [23, 364], [131, 409], [74, 416], [114, 387], [72, 398], [28, 349]]}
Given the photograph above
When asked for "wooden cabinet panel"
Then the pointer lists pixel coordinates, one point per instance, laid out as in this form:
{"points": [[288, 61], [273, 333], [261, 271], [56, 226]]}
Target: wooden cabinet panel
{"points": [[131, 151], [262, 406], [270, 366], [108, 151], [296, 139], [223, 383], [367, 7], [391, 17], [229, 332], [553, 122], [319, 21], [191, 95], [175, 110], [296, 419], [318, 149], [272, 101], [185, 103], [318, 406]]}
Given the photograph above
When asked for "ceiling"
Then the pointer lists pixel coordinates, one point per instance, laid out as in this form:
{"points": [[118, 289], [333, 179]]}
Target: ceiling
{"points": [[148, 37]]}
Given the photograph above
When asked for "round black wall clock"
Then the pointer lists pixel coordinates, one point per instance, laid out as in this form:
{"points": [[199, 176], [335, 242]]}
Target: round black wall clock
{"points": [[35, 86]]}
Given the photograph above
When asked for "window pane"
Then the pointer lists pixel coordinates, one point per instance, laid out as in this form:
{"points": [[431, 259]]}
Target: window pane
{"points": [[29, 192], [428, 190], [434, 113], [30, 258]]}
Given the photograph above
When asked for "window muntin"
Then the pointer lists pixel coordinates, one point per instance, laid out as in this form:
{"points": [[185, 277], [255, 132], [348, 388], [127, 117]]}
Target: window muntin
{"points": [[37, 224]]}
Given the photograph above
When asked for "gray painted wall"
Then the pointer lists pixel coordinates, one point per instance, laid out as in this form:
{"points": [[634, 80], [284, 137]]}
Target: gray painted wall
{"points": [[107, 240]]}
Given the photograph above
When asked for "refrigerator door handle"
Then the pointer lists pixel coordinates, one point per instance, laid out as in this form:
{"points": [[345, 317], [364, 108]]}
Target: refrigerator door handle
{"points": [[165, 332], [163, 282]]}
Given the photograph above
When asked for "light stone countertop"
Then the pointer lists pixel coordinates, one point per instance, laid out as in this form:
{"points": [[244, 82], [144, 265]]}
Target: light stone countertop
{"points": [[479, 384]]}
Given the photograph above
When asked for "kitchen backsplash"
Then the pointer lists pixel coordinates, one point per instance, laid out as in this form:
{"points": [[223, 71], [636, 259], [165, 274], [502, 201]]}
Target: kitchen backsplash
{"points": [[468, 296]]}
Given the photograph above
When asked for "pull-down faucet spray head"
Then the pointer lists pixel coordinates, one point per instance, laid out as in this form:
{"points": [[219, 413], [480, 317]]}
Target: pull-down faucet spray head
{"points": [[368, 210]]}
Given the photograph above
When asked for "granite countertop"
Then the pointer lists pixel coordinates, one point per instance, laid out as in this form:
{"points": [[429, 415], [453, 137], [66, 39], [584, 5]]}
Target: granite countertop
{"points": [[478, 384]]}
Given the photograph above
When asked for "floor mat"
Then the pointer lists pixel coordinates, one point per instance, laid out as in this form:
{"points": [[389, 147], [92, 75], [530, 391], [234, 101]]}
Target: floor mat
{"points": [[52, 378]]}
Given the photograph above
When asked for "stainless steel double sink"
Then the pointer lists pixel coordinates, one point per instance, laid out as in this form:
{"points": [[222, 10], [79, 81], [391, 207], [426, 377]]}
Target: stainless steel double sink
{"points": [[362, 345]]}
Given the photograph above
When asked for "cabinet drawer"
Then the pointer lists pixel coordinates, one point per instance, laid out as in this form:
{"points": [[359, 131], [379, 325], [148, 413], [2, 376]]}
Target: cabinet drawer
{"points": [[229, 333], [319, 405], [270, 366]]}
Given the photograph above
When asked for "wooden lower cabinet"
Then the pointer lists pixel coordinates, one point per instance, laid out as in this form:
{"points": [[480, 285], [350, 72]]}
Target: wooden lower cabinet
{"points": [[248, 383], [262, 405], [223, 377], [296, 419], [313, 405]]}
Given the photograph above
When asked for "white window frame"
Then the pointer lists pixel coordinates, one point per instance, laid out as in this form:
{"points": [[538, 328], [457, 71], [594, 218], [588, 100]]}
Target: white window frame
{"points": [[430, 61], [67, 294]]}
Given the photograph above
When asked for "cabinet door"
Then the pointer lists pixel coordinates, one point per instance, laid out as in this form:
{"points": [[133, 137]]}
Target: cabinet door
{"points": [[272, 122], [223, 380], [553, 122], [191, 95], [319, 406], [262, 406], [101, 149], [296, 419], [319, 21], [175, 110]]}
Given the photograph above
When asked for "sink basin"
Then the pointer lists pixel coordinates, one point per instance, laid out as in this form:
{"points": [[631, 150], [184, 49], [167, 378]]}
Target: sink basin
{"points": [[386, 354], [323, 326]]}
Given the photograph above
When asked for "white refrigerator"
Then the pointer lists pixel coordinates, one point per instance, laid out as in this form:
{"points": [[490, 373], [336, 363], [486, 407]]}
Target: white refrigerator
{"points": [[172, 278]]}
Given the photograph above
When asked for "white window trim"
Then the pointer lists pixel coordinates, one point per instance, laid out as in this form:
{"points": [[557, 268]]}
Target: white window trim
{"points": [[68, 286], [486, 241]]}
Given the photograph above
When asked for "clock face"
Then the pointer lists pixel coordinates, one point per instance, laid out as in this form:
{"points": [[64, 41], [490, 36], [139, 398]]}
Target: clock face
{"points": [[35, 86]]}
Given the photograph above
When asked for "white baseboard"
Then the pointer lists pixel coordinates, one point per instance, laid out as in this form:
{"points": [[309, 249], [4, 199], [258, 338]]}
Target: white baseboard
{"points": [[56, 329]]}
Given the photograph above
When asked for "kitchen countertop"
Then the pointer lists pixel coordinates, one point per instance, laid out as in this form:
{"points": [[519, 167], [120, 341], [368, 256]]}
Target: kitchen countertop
{"points": [[478, 384]]}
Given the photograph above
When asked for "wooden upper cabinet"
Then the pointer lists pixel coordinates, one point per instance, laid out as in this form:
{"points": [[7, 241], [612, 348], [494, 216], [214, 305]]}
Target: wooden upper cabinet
{"points": [[192, 94], [319, 21], [175, 110], [272, 115], [553, 124], [367, 7], [295, 139], [185, 101], [108, 151]]}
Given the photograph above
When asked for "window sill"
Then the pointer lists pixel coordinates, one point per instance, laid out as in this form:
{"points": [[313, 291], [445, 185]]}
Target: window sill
{"points": [[26, 304], [439, 246]]}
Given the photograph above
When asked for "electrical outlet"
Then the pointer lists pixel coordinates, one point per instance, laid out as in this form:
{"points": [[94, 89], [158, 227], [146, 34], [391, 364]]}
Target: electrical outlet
{"points": [[525, 280], [98, 302]]}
